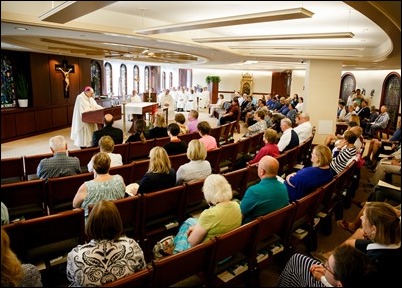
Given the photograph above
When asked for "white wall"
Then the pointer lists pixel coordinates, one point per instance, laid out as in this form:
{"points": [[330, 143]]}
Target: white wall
{"points": [[230, 79], [297, 85], [369, 80]]}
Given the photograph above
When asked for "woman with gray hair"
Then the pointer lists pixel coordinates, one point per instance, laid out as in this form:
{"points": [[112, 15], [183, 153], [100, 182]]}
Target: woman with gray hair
{"points": [[222, 216]]}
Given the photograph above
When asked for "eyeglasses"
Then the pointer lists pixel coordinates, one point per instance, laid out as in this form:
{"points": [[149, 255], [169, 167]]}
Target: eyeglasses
{"points": [[326, 266]]}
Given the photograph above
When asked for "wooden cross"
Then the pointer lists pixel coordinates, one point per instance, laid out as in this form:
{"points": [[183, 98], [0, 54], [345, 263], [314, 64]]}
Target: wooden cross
{"points": [[66, 70]]}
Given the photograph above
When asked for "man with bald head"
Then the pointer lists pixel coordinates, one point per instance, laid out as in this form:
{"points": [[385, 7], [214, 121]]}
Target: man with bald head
{"points": [[269, 195], [108, 129]]}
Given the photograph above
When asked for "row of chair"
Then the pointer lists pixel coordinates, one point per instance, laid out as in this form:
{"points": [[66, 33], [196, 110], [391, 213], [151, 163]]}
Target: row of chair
{"points": [[248, 247], [36, 197], [24, 168], [152, 215], [147, 220]]}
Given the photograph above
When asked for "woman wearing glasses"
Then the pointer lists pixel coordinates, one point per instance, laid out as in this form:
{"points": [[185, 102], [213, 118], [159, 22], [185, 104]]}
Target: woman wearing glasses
{"points": [[346, 267]]}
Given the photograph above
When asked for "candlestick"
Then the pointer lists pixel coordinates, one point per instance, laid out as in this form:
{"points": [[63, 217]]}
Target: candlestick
{"points": [[124, 116]]}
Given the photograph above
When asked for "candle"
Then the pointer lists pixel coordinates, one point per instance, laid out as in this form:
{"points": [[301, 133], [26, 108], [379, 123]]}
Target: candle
{"points": [[124, 97]]}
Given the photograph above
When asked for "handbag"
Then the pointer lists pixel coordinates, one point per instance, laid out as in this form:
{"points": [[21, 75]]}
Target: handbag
{"points": [[360, 162], [163, 247]]}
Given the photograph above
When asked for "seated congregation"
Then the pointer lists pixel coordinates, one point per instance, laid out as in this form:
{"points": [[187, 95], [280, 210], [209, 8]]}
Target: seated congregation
{"points": [[261, 187]]}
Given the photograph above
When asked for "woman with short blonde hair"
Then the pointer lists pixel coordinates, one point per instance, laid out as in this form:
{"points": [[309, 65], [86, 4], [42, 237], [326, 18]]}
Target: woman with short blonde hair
{"points": [[196, 150], [198, 167], [106, 144], [304, 181]]}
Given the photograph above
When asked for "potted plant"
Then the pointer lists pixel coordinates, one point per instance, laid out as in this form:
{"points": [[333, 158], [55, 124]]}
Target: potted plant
{"points": [[212, 79], [22, 90]]}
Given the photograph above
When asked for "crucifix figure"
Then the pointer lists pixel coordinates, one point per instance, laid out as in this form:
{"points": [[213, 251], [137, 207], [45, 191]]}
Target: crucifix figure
{"points": [[66, 77], [66, 70]]}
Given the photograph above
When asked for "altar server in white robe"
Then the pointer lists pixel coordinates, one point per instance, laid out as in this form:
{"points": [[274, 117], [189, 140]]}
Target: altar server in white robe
{"points": [[181, 100], [204, 99], [191, 101]]}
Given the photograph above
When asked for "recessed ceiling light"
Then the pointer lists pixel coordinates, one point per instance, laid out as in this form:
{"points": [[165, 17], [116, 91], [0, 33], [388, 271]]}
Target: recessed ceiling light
{"points": [[21, 28]]}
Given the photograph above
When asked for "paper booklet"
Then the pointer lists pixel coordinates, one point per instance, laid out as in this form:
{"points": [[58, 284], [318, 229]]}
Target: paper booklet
{"points": [[387, 185]]}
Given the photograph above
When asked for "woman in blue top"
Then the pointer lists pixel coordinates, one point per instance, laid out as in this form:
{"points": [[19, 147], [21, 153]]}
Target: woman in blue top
{"points": [[304, 182]]}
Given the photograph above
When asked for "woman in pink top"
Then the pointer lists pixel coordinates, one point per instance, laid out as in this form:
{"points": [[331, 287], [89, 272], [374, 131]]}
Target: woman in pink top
{"points": [[204, 129], [270, 148]]}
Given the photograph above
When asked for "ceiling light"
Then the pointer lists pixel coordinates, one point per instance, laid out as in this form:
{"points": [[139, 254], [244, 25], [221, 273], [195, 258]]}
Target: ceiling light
{"points": [[277, 37], [21, 28], [287, 14], [299, 47], [70, 10]]}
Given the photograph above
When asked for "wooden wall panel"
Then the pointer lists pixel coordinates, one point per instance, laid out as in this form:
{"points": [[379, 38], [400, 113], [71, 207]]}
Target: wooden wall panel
{"points": [[84, 74], [60, 116], [43, 119], [40, 78], [25, 122], [7, 126], [279, 84]]}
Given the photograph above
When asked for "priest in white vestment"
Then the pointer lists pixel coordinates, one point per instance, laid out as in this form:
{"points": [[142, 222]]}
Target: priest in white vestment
{"points": [[82, 132]]}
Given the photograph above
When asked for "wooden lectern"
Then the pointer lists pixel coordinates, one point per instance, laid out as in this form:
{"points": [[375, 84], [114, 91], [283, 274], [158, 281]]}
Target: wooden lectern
{"points": [[96, 116]]}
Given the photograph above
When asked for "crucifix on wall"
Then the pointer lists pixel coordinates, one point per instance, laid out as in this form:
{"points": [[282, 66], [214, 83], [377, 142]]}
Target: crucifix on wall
{"points": [[66, 70]]}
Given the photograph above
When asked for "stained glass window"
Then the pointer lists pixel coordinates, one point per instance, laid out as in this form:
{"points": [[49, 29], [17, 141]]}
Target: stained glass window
{"points": [[123, 80], [392, 97], [96, 77], [348, 84], [8, 98]]}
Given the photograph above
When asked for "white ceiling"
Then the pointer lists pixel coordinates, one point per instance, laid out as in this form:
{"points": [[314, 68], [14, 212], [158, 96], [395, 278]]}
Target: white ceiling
{"points": [[113, 32]]}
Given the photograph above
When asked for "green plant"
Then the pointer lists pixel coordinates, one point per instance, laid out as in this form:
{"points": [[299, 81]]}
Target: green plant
{"points": [[22, 87], [213, 79]]}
